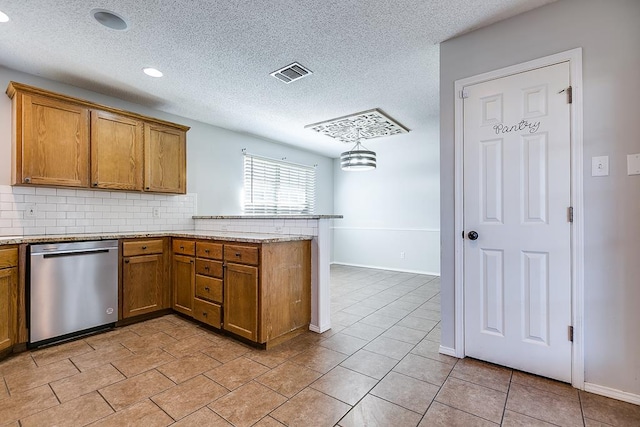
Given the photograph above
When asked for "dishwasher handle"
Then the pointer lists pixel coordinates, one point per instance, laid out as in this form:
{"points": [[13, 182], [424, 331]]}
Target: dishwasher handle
{"points": [[73, 253]]}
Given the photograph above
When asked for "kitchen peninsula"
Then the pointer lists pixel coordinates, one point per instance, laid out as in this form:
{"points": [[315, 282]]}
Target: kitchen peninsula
{"points": [[274, 278]]}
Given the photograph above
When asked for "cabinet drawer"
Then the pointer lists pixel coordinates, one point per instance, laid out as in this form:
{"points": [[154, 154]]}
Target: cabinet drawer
{"points": [[241, 254], [207, 312], [209, 268], [184, 247], [8, 258], [209, 288], [142, 247], [209, 250]]}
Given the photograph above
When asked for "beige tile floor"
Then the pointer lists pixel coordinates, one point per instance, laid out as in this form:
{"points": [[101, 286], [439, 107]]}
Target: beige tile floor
{"points": [[378, 366]]}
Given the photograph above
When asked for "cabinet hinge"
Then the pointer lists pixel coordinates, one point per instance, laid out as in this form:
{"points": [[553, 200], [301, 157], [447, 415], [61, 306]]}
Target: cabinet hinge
{"points": [[571, 333], [569, 95], [463, 94], [570, 214]]}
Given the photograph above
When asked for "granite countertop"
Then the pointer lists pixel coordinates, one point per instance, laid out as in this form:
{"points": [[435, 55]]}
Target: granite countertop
{"points": [[206, 235], [267, 217]]}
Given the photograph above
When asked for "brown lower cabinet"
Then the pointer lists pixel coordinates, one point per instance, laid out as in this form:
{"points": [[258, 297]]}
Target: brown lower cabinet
{"points": [[257, 291], [144, 275], [241, 300], [8, 297]]}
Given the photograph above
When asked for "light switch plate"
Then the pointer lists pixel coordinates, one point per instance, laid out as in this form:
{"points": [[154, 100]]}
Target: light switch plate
{"points": [[633, 164], [600, 166]]}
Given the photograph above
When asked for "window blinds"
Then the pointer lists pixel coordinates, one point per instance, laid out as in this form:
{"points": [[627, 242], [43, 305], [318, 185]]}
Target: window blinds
{"points": [[278, 187]]}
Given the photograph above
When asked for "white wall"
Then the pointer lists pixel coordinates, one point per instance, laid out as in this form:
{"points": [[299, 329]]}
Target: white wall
{"points": [[394, 208], [609, 34], [214, 157]]}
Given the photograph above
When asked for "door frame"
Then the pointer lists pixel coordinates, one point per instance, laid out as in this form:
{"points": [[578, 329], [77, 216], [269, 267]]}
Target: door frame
{"points": [[574, 57]]}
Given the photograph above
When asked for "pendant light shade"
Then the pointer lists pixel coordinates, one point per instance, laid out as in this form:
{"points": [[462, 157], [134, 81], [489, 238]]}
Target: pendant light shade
{"points": [[358, 159]]}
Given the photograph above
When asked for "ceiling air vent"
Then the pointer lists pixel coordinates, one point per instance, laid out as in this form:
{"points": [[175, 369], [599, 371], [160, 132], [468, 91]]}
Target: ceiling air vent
{"points": [[291, 72]]}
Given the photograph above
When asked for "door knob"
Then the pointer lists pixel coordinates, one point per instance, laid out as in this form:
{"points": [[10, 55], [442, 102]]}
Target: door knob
{"points": [[472, 235]]}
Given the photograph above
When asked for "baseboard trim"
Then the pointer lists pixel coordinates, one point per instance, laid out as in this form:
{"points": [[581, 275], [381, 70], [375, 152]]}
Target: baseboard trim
{"points": [[447, 351], [401, 270], [612, 393], [319, 329]]}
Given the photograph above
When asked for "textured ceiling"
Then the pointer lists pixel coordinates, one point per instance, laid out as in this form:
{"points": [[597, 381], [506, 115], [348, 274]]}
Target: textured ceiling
{"points": [[216, 56]]}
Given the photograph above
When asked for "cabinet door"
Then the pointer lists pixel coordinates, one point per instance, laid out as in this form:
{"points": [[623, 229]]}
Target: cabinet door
{"points": [[142, 281], [241, 300], [165, 159], [184, 282], [55, 143], [116, 151], [8, 306]]}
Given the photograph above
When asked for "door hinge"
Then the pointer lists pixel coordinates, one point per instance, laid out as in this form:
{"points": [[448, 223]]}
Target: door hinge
{"points": [[570, 214], [571, 333], [464, 94], [569, 91]]}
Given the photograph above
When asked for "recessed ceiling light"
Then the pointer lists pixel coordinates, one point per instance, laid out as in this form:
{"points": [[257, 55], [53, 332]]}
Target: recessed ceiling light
{"points": [[110, 19], [3, 17], [149, 71]]}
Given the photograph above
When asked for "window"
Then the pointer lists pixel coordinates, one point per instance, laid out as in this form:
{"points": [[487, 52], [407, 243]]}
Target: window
{"points": [[278, 187]]}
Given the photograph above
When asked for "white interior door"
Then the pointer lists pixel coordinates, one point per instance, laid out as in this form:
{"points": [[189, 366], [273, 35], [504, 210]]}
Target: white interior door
{"points": [[517, 190]]}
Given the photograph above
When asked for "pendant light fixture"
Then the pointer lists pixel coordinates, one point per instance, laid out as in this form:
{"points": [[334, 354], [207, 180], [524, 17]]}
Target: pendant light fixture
{"points": [[358, 158], [354, 128]]}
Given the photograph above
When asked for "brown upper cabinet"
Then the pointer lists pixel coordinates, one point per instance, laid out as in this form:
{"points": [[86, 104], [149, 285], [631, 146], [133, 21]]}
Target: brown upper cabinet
{"points": [[116, 151], [165, 163], [53, 140], [69, 142]]}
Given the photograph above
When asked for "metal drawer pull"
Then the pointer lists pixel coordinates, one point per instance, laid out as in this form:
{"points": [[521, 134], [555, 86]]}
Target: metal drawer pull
{"points": [[206, 251], [206, 288], [206, 267], [144, 247], [204, 313], [237, 254]]}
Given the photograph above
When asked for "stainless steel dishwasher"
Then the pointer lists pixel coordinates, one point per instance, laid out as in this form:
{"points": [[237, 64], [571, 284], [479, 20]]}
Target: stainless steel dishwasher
{"points": [[73, 289]]}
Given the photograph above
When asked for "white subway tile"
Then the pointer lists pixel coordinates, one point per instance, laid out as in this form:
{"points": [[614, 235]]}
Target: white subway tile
{"points": [[84, 222], [66, 222], [34, 231], [133, 196], [76, 200], [23, 190], [75, 230], [11, 214], [45, 222], [118, 195], [56, 215], [84, 193], [93, 215], [65, 192], [29, 198], [55, 230], [93, 229], [66, 207], [41, 191]]}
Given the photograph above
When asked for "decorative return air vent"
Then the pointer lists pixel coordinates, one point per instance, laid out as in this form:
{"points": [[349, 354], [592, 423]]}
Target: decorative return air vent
{"points": [[365, 125], [291, 73]]}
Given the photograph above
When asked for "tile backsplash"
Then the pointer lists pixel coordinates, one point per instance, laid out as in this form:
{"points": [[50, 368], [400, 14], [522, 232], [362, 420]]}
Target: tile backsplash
{"points": [[27, 211], [306, 227]]}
